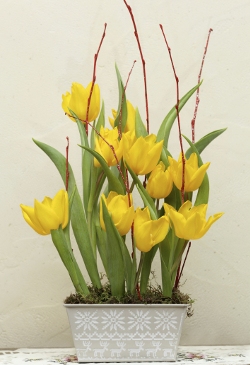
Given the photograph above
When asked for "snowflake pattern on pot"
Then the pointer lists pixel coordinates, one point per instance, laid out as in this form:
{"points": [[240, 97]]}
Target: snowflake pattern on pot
{"points": [[165, 320], [113, 320], [86, 320], [119, 333], [139, 320]]}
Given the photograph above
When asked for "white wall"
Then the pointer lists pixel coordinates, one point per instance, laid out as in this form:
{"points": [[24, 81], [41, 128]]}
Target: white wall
{"points": [[45, 45]]}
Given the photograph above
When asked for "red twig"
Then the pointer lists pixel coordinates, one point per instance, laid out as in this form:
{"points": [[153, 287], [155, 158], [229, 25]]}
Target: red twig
{"points": [[180, 271], [129, 74], [67, 164], [178, 117], [94, 76], [142, 59], [120, 116], [197, 100]]}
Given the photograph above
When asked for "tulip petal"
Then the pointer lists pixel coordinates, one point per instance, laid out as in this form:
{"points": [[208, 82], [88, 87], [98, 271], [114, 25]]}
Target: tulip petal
{"points": [[209, 223], [31, 219], [179, 223], [124, 225], [196, 179], [46, 216]]}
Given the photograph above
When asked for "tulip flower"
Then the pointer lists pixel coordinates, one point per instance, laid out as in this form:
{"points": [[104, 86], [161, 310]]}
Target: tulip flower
{"points": [[190, 222], [77, 101], [130, 123], [148, 232], [141, 154], [121, 211], [194, 174], [160, 182], [49, 214], [103, 148]]}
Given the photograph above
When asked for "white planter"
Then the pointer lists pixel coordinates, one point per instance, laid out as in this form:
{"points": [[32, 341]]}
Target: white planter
{"points": [[126, 332]]}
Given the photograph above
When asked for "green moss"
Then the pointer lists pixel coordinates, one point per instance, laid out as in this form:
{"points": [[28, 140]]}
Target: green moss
{"points": [[153, 295]]}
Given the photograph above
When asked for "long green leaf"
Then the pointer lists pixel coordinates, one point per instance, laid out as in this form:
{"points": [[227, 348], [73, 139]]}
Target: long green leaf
{"points": [[101, 118], [67, 257], [204, 141], [146, 268], [78, 219], [148, 201], [114, 183], [140, 129], [165, 128], [121, 118], [115, 264], [86, 161]]}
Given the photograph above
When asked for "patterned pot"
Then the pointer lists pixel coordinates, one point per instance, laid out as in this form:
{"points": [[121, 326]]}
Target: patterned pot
{"points": [[126, 332]]}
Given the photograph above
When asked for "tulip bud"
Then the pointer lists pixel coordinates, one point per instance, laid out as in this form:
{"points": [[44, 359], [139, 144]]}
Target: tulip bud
{"points": [[49, 214], [121, 211], [102, 146], [77, 101], [190, 222], [141, 154], [160, 182], [148, 232], [194, 174]]}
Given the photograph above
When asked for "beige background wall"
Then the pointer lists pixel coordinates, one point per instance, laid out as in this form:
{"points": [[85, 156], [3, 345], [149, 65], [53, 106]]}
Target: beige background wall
{"points": [[45, 45]]}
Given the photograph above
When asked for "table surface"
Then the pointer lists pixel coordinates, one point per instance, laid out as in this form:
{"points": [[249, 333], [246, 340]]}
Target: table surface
{"points": [[226, 355]]}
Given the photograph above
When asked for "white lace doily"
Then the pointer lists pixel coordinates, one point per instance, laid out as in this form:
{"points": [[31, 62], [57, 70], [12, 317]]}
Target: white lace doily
{"points": [[224, 355]]}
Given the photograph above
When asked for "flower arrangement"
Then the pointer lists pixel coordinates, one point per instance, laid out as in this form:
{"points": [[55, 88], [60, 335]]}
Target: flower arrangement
{"points": [[117, 162]]}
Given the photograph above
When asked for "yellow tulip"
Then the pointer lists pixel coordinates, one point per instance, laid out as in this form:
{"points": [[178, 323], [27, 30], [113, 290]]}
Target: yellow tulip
{"points": [[121, 212], [190, 222], [141, 154], [148, 232], [194, 174], [130, 123], [160, 182], [111, 136], [49, 214], [77, 101]]}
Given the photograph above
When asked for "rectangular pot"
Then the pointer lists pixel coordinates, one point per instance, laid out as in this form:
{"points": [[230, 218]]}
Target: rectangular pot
{"points": [[126, 332]]}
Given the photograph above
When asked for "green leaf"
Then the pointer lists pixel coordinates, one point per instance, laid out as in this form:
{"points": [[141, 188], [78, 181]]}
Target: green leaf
{"points": [[203, 192], [165, 274], [102, 242], [115, 264], [164, 156], [101, 118], [165, 128], [148, 201], [86, 161], [68, 259], [78, 219], [121, 118], [140, 129], [174, 198], [204, 141], [114, 183], [146, 268]]}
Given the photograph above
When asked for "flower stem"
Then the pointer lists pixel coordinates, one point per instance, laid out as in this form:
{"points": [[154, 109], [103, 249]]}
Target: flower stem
{"points": [[138, 273], [67, 165]]}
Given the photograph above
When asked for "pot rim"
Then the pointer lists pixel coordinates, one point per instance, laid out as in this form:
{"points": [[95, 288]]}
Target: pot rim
{"points": [[122, 305]]}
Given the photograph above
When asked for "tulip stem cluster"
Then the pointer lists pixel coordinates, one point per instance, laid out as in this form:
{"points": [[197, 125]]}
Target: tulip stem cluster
{"points": [[115, 161]]}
